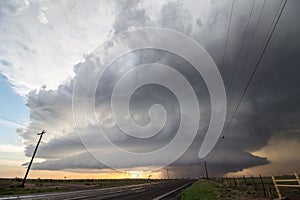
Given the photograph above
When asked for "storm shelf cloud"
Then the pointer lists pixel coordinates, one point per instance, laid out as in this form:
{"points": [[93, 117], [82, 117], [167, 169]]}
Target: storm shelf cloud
{"points": [[269, 111]]}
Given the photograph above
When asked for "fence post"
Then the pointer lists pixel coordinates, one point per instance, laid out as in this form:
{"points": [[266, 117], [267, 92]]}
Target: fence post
{"points": [[253, 182], [245, 180], [235, 182], [262, 183], [226, 181], [276, 187]]}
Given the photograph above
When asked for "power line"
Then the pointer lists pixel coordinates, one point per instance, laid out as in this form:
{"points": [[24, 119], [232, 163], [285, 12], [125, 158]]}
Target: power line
{"points": [[240, 50], [260, 59], [227, 36], [248, 49]]}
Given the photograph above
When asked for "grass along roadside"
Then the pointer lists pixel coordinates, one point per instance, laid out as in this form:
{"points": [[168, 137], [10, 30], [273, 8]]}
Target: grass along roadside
{"points": [[211, 190]]}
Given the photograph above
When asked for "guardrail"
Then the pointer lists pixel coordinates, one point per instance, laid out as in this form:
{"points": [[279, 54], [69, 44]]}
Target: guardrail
{"points": [[174, 192]]}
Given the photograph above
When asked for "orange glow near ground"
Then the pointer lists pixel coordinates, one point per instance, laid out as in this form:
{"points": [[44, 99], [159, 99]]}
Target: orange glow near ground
{"points": [[48, 174], [283, 154]]}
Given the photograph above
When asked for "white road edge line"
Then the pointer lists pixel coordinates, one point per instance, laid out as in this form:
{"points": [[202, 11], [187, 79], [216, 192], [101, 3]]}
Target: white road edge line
{"points": [[167, 194], [53, 194]]}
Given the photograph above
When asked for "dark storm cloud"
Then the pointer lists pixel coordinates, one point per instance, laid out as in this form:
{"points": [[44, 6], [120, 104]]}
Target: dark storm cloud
{"points": [[270, 107], [275, 90]]}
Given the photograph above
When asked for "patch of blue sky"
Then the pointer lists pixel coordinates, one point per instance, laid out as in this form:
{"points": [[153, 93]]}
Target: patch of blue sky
{"points": [[13, 112]]}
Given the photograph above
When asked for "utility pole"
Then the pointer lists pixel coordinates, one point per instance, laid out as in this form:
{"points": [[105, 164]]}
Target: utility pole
{"points": [[168, 173], [206, 170], [28, 168]]}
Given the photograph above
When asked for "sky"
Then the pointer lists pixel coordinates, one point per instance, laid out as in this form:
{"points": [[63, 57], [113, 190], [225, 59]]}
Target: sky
{"points": [[51, 55]]}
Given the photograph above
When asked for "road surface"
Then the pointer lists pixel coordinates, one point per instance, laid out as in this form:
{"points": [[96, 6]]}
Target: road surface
{"points": [[163, 190]]}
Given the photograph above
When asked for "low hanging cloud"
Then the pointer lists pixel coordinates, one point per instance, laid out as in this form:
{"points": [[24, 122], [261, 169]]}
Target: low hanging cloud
{"points": [[269, 108]]}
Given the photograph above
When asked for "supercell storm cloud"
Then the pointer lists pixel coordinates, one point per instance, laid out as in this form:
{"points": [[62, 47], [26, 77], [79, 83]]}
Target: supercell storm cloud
{"points": [[233, 33]]}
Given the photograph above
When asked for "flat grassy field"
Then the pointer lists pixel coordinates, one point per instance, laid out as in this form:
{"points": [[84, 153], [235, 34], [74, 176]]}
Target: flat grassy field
{"points": [[244, 189], [211, 190], [11, 186]]}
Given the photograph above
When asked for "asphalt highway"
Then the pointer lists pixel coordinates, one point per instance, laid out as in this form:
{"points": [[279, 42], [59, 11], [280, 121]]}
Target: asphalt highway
{"points": [[157, 191]]}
